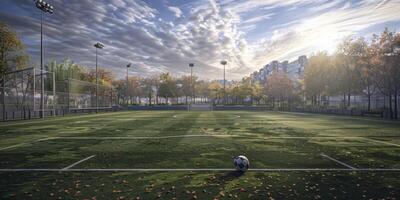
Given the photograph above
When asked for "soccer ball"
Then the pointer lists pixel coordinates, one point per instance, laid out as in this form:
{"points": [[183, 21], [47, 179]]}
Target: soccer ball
{"points": [[241, 163]]}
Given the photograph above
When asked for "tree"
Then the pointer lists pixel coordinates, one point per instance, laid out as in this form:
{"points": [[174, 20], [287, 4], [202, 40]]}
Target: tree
{"points": [[365, 54], [215, 91], [12, 55], [280, 89], [316, 76], [348, 53], [186, 87], [202, 91], [148, 87], [167, 87], [386, 67], [256, 93]]}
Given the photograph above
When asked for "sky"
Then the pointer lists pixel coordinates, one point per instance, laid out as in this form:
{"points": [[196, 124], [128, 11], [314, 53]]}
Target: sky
{"points": [[166, 35]]}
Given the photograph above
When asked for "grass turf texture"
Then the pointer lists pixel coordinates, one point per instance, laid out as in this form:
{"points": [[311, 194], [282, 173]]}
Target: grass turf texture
{"points": [[200, 140]]}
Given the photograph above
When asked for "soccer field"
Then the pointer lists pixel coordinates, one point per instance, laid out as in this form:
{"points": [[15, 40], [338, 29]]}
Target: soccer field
{"points": [[188, 155]]}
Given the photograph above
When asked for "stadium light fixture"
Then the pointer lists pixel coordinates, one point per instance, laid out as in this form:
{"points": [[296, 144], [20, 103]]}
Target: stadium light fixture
{"points": [[45, 8], [191, 65], [224, 62], [127, 80], [97, 46]]}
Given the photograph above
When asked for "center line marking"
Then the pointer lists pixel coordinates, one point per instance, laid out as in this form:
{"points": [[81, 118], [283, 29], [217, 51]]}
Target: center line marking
{"points": [[342, 163], [81, 161]]}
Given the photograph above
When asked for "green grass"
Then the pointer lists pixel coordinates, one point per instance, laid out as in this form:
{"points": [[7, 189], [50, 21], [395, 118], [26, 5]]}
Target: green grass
{"points": [[218, 136]]}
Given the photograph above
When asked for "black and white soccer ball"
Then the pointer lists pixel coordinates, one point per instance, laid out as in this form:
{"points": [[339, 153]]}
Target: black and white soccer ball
{"points": [[241, 163]]}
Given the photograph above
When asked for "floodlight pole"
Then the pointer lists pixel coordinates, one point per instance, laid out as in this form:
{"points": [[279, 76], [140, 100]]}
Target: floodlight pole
{"points": [[97, 99], [224, 63], [191, 65], [127, 81], [4, 96], [97, 46], [45, 8], [41, 69]]}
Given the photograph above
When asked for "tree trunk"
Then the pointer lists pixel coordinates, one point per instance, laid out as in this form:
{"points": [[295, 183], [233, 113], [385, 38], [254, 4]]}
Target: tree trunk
{"points": [[395, 104], [348, 99], [150, 100], [369, 97], [390, 106]]}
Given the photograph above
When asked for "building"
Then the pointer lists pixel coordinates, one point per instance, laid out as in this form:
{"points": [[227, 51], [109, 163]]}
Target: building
{"points": [[295, 69]]}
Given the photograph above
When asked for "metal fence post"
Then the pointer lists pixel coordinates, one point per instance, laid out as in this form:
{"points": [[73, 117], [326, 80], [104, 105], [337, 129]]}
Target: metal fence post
{"points": [[4, 97], [34, 89], [54, 94]]}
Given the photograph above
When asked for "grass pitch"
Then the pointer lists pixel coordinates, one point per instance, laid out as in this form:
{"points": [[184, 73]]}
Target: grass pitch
{"points": [[188, 155]]}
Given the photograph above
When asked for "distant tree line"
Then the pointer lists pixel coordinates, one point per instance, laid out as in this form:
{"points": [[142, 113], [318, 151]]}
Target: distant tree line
{"points": [[358, 67]]}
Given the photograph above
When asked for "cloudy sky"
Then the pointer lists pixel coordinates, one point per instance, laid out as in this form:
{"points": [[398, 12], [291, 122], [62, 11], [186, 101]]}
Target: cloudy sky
{"points": [[165, 35]]}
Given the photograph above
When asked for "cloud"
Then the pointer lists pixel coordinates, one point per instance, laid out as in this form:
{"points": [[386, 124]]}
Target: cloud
{"points": [[323, 30], [258, 18], [177, 12], [205, 32]]}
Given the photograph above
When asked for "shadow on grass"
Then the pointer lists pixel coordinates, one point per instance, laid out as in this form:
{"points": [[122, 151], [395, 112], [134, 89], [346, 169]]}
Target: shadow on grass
{"points": [[229, 176]]}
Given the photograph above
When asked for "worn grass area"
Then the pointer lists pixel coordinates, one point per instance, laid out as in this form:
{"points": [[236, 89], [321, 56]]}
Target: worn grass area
{"points": [[198, 140]]}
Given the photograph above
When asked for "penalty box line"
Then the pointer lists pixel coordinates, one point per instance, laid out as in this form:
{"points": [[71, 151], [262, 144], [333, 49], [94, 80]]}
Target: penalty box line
{"points": [[208, 170], [337, 161], [382, 142], [26, 143], [77, 163]]}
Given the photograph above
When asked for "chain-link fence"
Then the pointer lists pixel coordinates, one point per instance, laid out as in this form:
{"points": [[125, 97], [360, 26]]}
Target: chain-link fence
{"points": [[33, 93]]}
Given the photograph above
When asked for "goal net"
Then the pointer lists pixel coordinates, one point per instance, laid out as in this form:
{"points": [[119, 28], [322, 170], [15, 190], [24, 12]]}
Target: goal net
{"points": [[77, 95], [200, 107]]}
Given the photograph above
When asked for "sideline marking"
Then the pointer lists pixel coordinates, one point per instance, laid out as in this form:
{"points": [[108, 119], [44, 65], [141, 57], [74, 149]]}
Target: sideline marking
{"points": [[79, 162], [58, 118], [337, 161], [207, 170], [25, 143]]}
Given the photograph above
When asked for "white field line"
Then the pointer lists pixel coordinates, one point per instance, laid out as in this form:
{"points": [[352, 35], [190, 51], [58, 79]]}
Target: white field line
{"points": [[206, 170], [337, 161], [14, 146], [25, 143], [53, 119], [60, 118], [341, 116], [382, 142], [77, 163], [189, 136], [234, 116], [210, 135]]}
